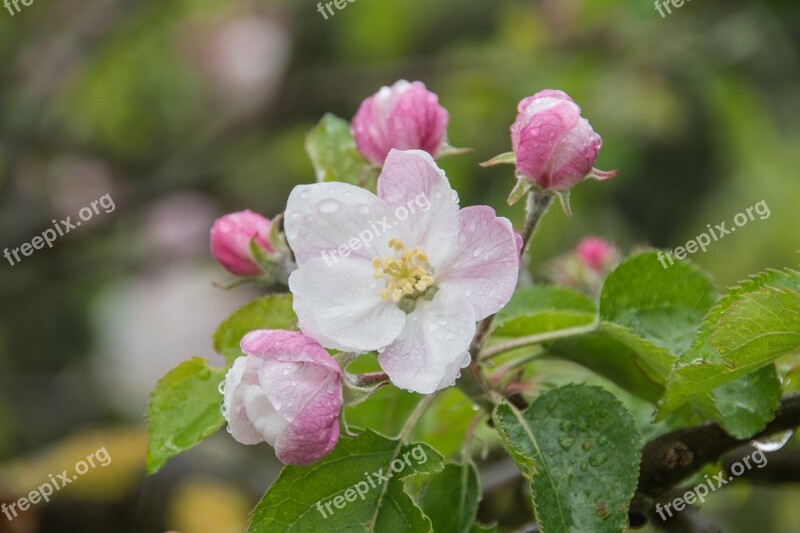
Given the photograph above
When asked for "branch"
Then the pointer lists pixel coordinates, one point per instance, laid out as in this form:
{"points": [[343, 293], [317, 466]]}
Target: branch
{"points": [[674, 456]]}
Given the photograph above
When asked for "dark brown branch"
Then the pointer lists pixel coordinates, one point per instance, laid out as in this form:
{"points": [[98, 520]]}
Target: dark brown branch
{"points": [[674, 456], [783, 466]]}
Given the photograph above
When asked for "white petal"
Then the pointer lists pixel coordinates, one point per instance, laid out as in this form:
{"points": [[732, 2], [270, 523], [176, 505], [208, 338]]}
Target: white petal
{"points": [[339, 305], [486, 268], [240, 378], [422, 201], [262, 414], [430, 352], [335, 218]]}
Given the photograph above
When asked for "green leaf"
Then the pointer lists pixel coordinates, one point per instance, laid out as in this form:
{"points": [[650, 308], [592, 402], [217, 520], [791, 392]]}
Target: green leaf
{"points": [[442, 426], [183, 411], [542, 309], [579, 447], [745, 406], [749, 328], [665, 305], [332, 150], [615, 352], [273, 311], [449, 498], [304, 498], [506, 158]]}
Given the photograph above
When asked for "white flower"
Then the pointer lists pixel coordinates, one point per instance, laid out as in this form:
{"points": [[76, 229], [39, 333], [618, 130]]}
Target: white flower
{"points": [[398, 275]]}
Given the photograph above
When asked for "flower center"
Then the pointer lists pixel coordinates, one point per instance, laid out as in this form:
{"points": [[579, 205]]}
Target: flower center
{"points": [[407, 272]]}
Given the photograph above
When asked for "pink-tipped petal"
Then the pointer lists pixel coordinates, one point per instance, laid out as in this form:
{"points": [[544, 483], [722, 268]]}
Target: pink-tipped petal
{"points": [[427, 355], [486, 268], [422, 201]]}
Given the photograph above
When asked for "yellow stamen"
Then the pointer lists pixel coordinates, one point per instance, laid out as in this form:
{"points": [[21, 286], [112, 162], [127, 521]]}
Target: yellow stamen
{"points": [[407, 272]]}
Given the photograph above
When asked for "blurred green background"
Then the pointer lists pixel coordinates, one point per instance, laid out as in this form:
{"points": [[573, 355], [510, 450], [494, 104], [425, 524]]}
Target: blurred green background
{"points": [[185, 110]]}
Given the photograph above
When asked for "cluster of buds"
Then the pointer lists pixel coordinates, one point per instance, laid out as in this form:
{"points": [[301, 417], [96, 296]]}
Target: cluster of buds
{"points": [[288, 390]]}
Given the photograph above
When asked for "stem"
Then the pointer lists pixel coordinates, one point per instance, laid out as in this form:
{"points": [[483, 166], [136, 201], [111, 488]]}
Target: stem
{"points": [[536, 207], [498, 349], [371, 377], [474, 385], [466, 452], [419, 410]]}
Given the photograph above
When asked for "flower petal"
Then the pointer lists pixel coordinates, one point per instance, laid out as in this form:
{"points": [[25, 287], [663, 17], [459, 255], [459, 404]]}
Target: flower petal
{"points": [[414, 185], [241, 377], [486, 268], [334, 219], [429, 353], [288, 347], [315, 430], [574, 156], [339, 305], [536, 134]]}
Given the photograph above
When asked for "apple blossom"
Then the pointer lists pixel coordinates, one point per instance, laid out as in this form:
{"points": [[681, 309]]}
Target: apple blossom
{"points": [[231, 237], [404, 116], [595, 253], [555, 148], [416, 289], [287, 392]]}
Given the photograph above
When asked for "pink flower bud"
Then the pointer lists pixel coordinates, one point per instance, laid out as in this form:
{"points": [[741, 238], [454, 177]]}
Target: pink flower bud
{"points": [[405, 116], [555, 148], [230, 241], [596, 253], [287, 392]]}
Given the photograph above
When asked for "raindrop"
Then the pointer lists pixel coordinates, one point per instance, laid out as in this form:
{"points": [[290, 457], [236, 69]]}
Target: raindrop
{"points": [[304, 193], [221, 387], [363, 209], [598, 459], [582, 425], [229, 428], [566, 442], [566, 425], [285, 372], [584, 467], [476, 252], [602, 440], [329, 206], [772, 443]]}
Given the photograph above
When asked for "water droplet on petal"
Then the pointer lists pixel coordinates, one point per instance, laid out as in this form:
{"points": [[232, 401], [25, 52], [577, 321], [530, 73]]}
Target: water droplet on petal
{"points": [[329, 206], [221, 387], [476, 252]]}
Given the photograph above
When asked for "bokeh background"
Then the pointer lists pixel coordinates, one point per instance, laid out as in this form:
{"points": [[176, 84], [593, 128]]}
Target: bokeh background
{"points": [[184, 110]]}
